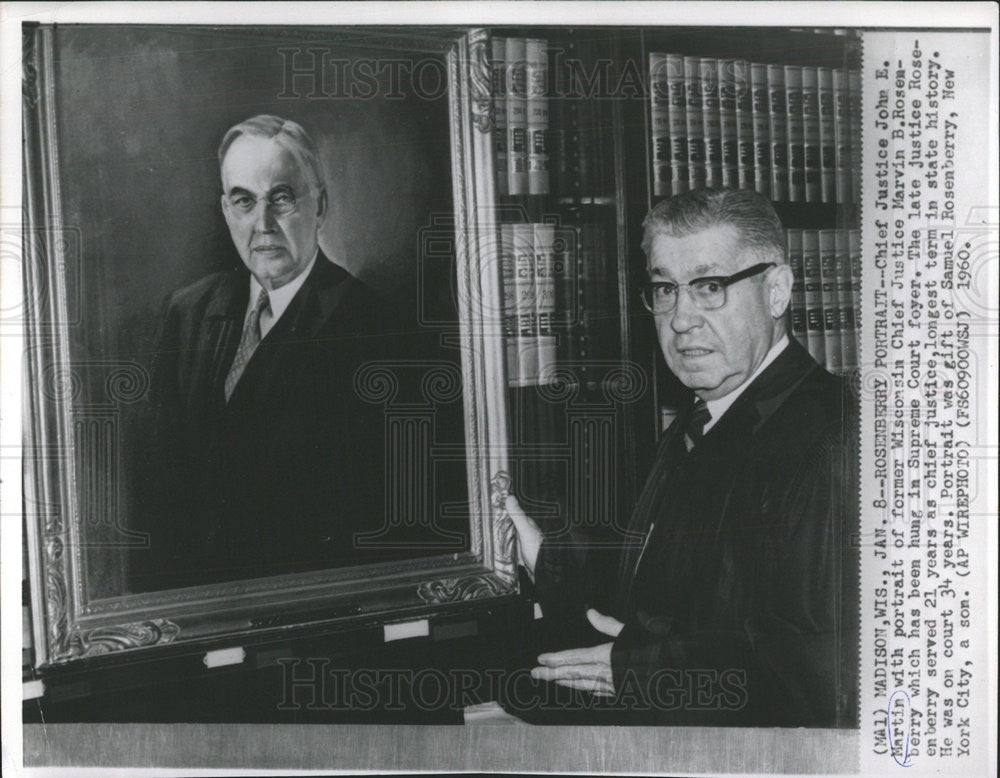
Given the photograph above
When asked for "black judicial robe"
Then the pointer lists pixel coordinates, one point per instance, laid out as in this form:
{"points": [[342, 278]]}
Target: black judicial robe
{"points": [[749, 574]]}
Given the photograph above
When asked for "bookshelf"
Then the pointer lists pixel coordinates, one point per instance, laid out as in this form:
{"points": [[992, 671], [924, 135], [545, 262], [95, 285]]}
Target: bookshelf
{"points": [[786, 106], [593, 127], [559, 146]]}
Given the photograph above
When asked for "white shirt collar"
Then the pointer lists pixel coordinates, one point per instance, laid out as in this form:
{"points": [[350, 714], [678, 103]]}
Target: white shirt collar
{"points": [[722, 404], [278, 299]]}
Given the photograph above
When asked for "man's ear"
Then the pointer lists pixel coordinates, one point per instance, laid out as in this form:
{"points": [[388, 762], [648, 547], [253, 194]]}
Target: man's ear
{"points": [[780, 290], [321, 204]]}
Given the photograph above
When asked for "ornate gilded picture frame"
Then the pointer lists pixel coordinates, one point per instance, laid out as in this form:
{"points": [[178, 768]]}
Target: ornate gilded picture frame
{"points": [[84, 377]]}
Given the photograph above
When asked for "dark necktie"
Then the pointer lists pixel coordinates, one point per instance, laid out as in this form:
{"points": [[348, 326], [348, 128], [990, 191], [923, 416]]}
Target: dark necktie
{"points": [[695, 428], [248, 343]]}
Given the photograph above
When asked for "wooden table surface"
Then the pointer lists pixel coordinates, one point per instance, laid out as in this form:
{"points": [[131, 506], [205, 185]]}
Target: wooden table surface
{"points": [[479, 745]]}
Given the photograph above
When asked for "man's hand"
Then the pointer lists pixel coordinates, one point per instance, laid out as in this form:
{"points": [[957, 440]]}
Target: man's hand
{"points": [[529, 536], [588, 669]]}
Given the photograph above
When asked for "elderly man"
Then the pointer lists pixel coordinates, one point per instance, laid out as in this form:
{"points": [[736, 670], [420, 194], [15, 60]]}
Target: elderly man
{"points": [[737, 603], [264, 459]]}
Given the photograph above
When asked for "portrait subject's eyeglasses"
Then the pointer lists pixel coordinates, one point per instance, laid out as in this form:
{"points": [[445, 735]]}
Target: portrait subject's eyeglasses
{"points": [[708, 293], [280, 201]]}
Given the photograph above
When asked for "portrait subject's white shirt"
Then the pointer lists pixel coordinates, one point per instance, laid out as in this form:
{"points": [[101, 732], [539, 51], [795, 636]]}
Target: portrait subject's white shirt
{"points": [[720, 406], [278, 300]]}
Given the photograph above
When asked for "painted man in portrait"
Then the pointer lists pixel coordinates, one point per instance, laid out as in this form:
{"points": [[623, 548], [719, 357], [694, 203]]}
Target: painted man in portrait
{"points": [[263, 458]]}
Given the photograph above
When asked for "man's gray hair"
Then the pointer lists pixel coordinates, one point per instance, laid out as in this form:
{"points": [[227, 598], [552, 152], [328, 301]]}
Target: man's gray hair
{"points": [[749, 213], [290, 135]]}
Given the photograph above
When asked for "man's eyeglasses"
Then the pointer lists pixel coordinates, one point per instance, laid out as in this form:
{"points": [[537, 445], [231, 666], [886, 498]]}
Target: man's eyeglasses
{"points": [[280, 201], [708, 293]]}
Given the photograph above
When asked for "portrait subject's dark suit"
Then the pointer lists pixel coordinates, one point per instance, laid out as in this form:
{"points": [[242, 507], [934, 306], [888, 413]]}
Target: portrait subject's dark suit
{"points": [[281, 476], [750, 565]]}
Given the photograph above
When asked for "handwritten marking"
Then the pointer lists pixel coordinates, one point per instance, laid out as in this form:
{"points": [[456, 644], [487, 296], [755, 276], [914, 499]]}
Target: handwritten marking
{"points": [[888, 730]]}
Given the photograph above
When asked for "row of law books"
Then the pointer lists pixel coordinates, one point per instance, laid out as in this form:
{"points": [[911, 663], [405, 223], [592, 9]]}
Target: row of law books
{"points": [[520, 76], [544, 146], [791, 132], [826, 267], [558, 302]]}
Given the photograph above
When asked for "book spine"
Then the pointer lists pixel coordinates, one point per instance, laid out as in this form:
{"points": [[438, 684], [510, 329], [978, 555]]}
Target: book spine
{"points": [[498, 72], [545, 300], [827, 138], [810, 133], [593, 281], [845, 303], [508, 275], [588, 293], [537, 75], [678, 123], [813, 291], [517, 117], [831, 306], [798, 301], [779, 132], [587, 157], [854, 90], [527, 324], [744, 124], [557, 130], [695, 123], [796, 161], [854, 257], [605, 146], [564, 276], [727, 122], [659, 95], [711, 119], [606, 327], [574, 294], [571, 146], [842, 135], [761, 128]]}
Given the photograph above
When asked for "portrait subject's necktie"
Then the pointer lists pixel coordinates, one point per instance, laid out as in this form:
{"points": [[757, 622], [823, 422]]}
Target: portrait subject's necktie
{"points": [[696, 424], [248, 343]]}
